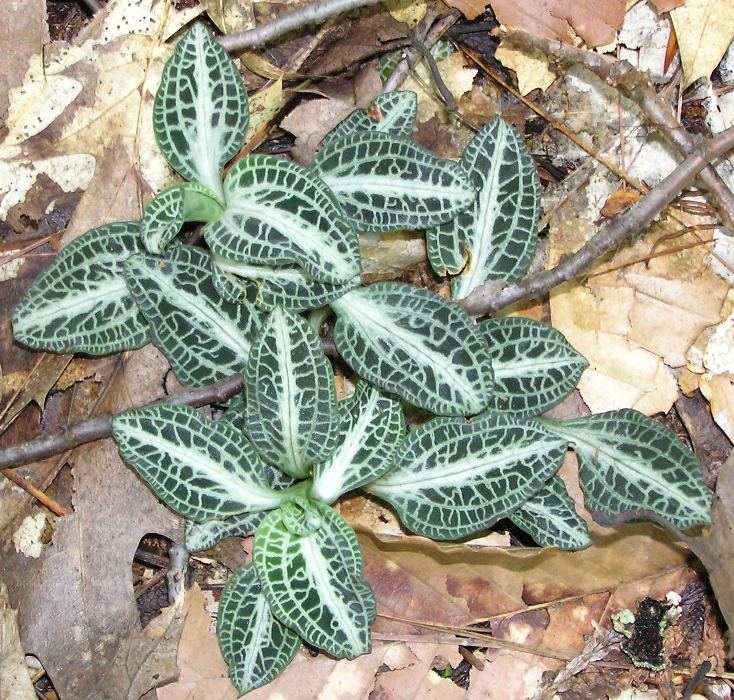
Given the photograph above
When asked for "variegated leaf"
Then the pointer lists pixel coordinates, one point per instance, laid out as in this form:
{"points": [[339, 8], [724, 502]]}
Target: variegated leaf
{"points": [[200, 113], [386, 184], [495, 238], [203, 337], [627, 461], [200, 468], [284, 287], [415, 344], [256, 646], [550, 518], [167, 212], [372, 427], [230, 287], [392, 113], [200, 536], [534, 365], [291, 410], [81, 302], [454, 478], [310, 568], [279, 214]]}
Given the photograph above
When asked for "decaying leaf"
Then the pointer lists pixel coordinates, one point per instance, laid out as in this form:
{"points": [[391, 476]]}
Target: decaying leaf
{"points": [[231, 15], [532, 71]]}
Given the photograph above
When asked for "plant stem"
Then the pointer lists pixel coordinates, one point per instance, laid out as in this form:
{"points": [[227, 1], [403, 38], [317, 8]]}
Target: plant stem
{"points": [[486, 299], [310, 14]]}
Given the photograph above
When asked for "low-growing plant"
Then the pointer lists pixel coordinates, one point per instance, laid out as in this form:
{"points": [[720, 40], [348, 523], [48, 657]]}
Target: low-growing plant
{"points": [[280, 240]]}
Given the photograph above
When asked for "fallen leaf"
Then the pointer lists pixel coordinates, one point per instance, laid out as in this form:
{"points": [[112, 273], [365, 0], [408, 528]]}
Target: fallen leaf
{"points": [[41, 380], [704, 29], [532, 71], [14, 678], [408, 12], [596, 22], [265, 105], [719, 392], [231, 15], [83, 578]]}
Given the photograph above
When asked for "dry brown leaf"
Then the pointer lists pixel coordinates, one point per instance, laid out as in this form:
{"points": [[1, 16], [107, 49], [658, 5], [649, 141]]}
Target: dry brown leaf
{"points": [[82, 581], [667, 5], [231, 15], [596, 22], [409, 12], [15, 681], [704, 29], [532, 72], [41, 380]]}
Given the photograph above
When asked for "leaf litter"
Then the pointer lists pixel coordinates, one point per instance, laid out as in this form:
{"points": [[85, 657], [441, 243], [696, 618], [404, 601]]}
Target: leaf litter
{"points": [[93, 100]]}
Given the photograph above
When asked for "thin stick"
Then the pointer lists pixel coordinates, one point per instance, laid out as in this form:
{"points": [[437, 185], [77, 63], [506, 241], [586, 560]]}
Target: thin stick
{"points": [[32, 490], [302, 17], [101, 426], [486, 300]]}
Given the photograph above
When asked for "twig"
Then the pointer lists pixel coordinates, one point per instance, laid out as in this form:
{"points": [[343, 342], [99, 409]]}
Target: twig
{"points": [[636, 87], [448, 98], [55, 507], [94, 6], [486, 300], [101, 427], [304, 16], [696, 680]]}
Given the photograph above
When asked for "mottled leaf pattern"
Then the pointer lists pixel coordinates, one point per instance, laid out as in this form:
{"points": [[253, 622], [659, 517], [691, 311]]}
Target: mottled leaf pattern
{"points": [[310, 569], [256, 646], [200, 536], [495, 238], [534, 366], [200, 468], [200, 113], [167, 212], [372, 426], [392, 113], [291, 410], [203, 337], [81, 302], [386, 184], [279, 214], [284, 287], [454, 478], [550, 518], [412, 343], [627, 461]]}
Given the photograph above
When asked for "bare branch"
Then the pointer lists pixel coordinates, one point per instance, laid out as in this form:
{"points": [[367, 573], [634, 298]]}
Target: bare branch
{"points": [[486, 299], [302, 17]]}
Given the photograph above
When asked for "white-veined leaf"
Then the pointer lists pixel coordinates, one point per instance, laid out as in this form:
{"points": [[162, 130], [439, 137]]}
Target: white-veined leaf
{"points": [[386, 184], [550, 518], [534, 366], [200, 112], [200, 536], [495, 238], [81, 302], [230, 287], [627, 461], [204, 337], [310, 569], [392, 113], [284, 287], [200, 468], [372, 427], [279, 214], [256, 646], [167, 212], [452, 478], [413, 343], [291, 411]]}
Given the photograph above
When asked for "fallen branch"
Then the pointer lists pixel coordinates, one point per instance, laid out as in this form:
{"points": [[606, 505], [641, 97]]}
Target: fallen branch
{"points": [[486, 299], [287, 22], [635, 86], [482, 301], [101, 427]]}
